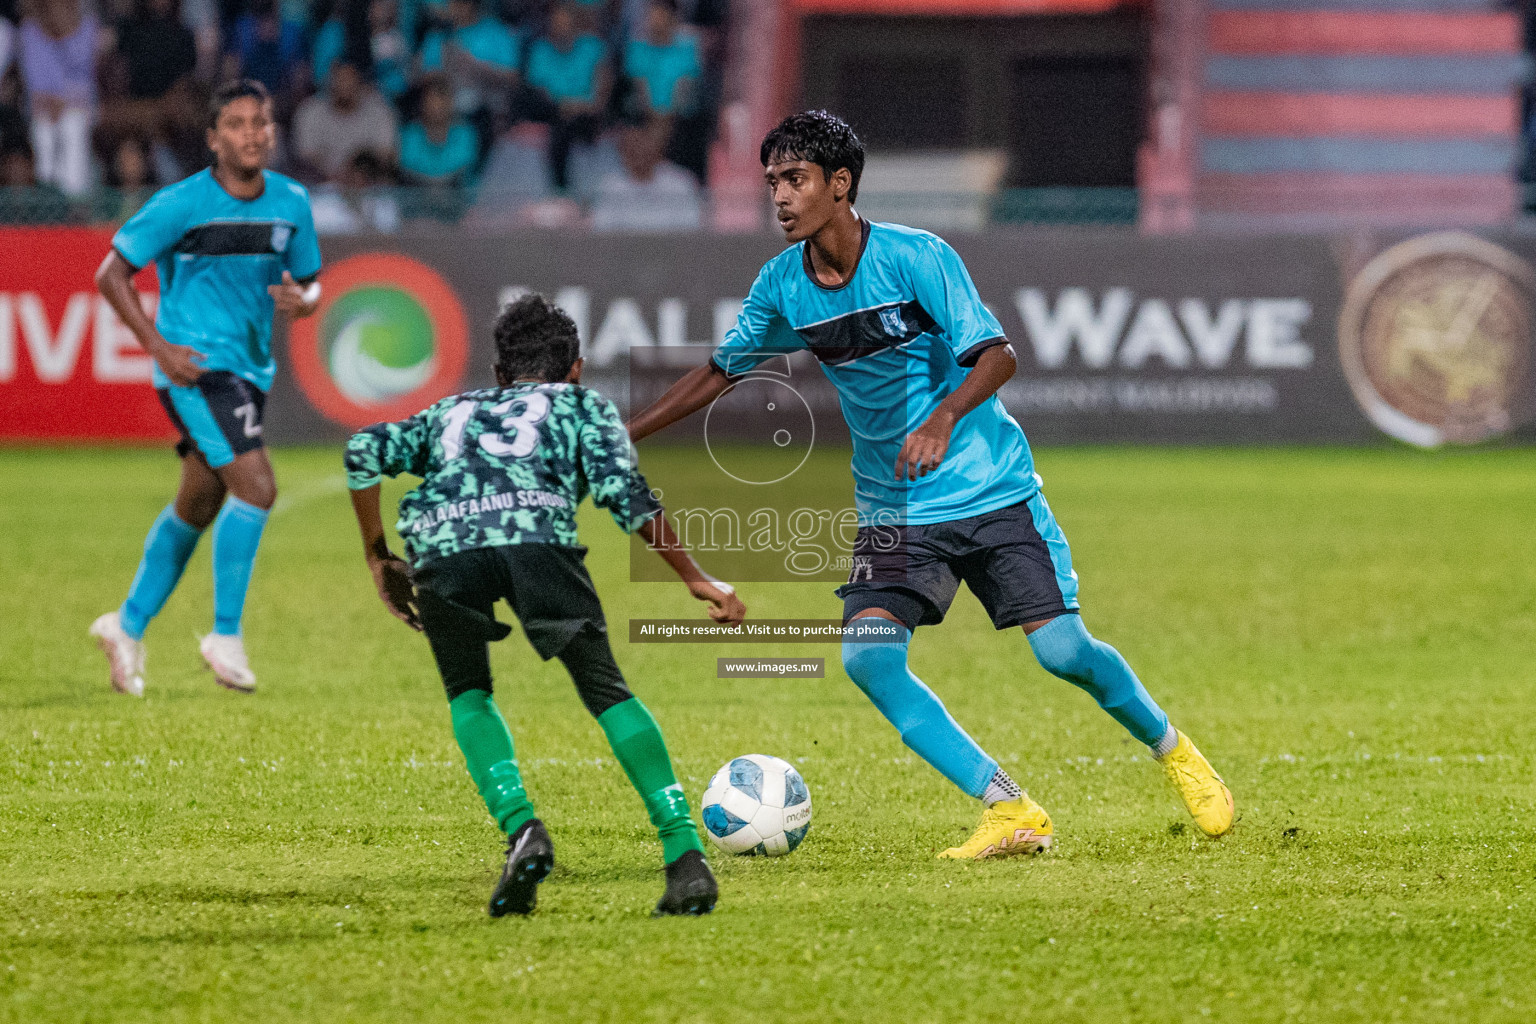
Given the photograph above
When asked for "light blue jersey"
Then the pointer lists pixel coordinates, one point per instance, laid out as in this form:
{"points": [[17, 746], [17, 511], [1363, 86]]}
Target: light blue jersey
{"points": [[895, 340], [216, 255]]}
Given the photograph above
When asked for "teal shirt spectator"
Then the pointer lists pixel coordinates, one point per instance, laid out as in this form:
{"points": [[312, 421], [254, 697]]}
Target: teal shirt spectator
{"points": [[413, 12], [486, 40], [390, 75], [330, 43], [425, 162], [664, 68], [571, 75]]}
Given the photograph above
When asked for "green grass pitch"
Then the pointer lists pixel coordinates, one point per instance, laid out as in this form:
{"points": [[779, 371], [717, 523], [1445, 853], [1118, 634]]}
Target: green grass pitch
{"points": [[1349, 635]]}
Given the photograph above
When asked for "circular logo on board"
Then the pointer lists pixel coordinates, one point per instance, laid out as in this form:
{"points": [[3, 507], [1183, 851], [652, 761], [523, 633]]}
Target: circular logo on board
{"points": [[389, 338], [1435, 338]]}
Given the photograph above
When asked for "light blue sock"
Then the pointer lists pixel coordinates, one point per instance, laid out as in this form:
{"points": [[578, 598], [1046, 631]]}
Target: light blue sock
{"points": [[880, 670], [1067, 651], [236, 535], [166, 550]]}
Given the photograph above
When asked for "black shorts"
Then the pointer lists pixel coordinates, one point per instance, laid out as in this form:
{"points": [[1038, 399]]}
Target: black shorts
{"points": [[551, 595], [219, 416], [1014, 559]]}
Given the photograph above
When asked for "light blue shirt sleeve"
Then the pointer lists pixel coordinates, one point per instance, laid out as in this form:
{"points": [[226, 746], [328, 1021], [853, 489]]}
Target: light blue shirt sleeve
{"points": [[944, 288], [303, 256], [157, 226], [761, 332]]}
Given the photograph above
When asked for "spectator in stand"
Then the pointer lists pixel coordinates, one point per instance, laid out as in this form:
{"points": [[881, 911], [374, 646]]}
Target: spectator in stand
{"points": [[7, 34], [649, 194], [438, 149], [330, 43], [23, 200], [662, 64], [129, 180], [360, 200], [567, 86], [481, 57], [59, 44], [390, 48], [267, 47], [349, 118], [155, 51], [420, 17], [181, 147], [15, 133], [157, 48]]}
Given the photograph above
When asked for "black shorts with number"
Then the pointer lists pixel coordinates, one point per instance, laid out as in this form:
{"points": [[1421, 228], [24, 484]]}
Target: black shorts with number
{"points": [[551, 595], [220, 416], [1014, 559]]}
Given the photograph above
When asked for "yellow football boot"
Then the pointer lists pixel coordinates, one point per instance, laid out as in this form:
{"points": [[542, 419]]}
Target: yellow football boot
{"points": [[1207, 797], [1007, 828]]}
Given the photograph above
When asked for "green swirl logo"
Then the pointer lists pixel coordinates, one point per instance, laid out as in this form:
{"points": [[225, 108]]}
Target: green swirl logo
{"points": [[389, 337], [378, 344]]}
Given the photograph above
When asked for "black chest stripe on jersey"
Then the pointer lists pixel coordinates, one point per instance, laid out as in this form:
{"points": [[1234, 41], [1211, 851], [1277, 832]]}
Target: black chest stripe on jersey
{"points": [[236, 238], [846, 338]]}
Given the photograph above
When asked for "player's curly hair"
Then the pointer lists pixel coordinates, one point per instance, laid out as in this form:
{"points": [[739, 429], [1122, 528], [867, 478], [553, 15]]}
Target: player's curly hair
{"points": [[238, 89], [535, 338], [817, 137]]}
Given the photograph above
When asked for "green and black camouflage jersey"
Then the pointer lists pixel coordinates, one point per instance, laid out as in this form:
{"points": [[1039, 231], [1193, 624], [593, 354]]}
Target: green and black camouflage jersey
{"points": [[504, 466]]}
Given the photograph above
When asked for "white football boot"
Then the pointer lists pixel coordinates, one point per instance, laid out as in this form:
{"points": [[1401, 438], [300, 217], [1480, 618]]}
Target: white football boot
{"points": [[125, 655], [226, 656]]}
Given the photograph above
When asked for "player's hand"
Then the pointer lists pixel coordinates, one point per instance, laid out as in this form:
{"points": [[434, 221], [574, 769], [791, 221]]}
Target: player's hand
{"points": [[925, 448], [289, 299], [178, 362], [724, 606], [392, 578]]}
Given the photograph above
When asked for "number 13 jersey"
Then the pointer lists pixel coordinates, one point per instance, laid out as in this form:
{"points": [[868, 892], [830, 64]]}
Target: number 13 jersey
{"points": [[504, 466]]}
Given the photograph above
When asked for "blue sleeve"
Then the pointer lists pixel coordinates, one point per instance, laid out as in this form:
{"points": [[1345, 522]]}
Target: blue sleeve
{"points": [[944, 288], [761, 331], [304, 250], [152, 231]]}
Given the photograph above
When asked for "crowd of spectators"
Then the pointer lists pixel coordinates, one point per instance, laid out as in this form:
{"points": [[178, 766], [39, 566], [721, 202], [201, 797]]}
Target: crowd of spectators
{"points": [[499, 111]]}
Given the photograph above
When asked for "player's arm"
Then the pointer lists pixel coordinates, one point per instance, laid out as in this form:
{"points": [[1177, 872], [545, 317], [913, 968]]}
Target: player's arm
{"points": [[697, 388], [299, 294], [295, 299], [608, 463], [114, 279], [926, 446], [724, 605], [743, 349], [944, 288], [385, 449], [391, 575]]}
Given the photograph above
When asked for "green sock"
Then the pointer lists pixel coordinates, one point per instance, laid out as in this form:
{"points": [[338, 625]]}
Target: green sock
{"points": [[637, 743], [487, 746]]}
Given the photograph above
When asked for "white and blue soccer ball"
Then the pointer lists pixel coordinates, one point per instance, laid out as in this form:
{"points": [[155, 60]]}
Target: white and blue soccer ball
{"points": [[757, 805]]}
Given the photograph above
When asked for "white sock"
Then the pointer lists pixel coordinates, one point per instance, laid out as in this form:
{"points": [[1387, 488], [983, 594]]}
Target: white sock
{"points": [[1001, 788], [1163, 747]]}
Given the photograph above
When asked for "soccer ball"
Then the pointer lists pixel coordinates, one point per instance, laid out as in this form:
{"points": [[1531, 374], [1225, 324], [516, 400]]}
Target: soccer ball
{"points": [[757, 805]]}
